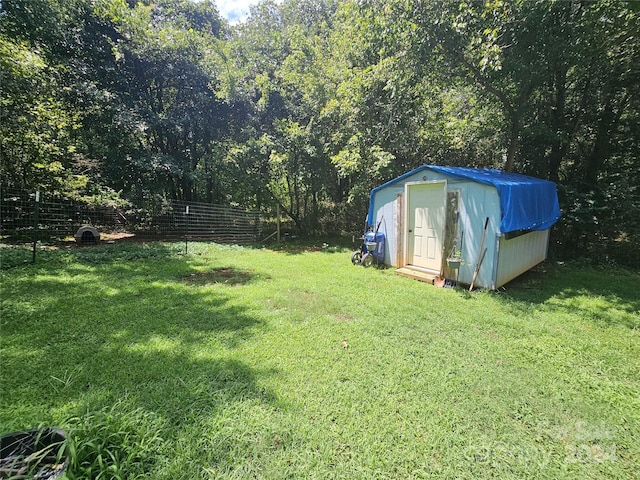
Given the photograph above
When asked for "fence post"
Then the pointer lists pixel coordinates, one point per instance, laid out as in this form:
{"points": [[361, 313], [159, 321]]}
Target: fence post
{"points": [[36, 225], [278, 221], [186, 233]]}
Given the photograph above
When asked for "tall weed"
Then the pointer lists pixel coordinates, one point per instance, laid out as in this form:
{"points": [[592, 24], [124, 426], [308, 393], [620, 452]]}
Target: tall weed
{"points": [[114, 443]]}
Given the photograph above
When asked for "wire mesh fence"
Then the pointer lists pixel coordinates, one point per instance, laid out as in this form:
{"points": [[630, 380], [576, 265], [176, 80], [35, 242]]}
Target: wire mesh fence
{"points": [[26, 214]]}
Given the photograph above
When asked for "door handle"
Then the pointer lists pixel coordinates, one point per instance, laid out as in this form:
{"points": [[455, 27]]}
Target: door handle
{"points": [[410, 230]]}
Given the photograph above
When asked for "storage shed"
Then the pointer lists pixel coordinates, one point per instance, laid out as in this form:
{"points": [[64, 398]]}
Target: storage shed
{"points": [[434, 212]]}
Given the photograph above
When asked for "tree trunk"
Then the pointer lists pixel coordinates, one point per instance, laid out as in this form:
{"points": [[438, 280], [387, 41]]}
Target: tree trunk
{"points": [[606, 127], [514, 143], [560, 143]]}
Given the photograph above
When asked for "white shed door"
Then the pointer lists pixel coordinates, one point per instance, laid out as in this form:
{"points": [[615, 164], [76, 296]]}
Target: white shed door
{"points": [[426, 218]]}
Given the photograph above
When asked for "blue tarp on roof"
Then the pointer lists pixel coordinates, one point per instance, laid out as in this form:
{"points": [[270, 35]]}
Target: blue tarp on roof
{"points": [[526, 203]]}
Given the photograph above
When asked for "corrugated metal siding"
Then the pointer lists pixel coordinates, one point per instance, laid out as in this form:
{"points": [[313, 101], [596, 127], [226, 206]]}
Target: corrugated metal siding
{"points": [[520, 254]]}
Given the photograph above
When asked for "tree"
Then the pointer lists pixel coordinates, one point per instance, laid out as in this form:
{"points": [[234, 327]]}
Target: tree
{"points": [[36, 124], [311, 104], [277, 62]]}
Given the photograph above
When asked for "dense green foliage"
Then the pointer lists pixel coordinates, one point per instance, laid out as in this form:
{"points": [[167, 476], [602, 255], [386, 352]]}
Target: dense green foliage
{"points": [[238, 362], [309, 104]]}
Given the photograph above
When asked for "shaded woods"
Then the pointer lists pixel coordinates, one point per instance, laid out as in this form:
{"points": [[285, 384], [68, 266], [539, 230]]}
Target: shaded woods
{"points": [[311, 103]]}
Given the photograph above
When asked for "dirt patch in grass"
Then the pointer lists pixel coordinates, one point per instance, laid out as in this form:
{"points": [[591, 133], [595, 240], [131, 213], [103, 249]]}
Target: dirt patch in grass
{"points": [[343, 318], [294, 250], [116, 236], [227, 275]]}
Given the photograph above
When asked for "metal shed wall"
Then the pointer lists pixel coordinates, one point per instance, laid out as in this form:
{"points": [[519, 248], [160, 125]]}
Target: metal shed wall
{"points": [[504, 260], [520, 254]]}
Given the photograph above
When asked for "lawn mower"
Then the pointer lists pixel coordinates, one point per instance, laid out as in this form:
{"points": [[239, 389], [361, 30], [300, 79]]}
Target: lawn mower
{"points": [[371, 249]]}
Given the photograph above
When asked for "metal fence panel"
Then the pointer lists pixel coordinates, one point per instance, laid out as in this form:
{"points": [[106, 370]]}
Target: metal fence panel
{"points": [[57, 216]]}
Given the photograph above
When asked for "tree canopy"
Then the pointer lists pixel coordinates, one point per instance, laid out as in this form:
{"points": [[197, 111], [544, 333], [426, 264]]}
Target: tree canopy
{"points": [[309, 104]]}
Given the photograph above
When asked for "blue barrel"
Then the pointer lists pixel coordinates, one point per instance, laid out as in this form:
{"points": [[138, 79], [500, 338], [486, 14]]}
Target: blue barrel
{"points": [[375, 245]]}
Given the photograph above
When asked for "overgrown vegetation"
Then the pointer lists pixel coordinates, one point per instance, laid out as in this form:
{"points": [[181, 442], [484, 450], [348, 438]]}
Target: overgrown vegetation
{"points": [[309, 104], [303, 365]]}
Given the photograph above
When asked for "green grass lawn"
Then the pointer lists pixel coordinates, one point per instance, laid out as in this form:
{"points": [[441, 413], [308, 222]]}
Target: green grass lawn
{"points": [[238, 362]]}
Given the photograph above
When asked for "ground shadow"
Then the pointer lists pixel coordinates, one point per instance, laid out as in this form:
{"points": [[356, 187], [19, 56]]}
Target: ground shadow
{"points": [[135, 330], [608, 296], [222, 275]]}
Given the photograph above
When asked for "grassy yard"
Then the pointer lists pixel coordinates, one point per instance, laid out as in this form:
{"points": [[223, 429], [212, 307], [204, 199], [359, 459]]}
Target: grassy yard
{"points": [[238, 362]]}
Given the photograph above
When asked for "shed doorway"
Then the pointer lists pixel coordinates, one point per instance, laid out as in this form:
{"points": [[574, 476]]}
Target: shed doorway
{"points": [[425, 220]]}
